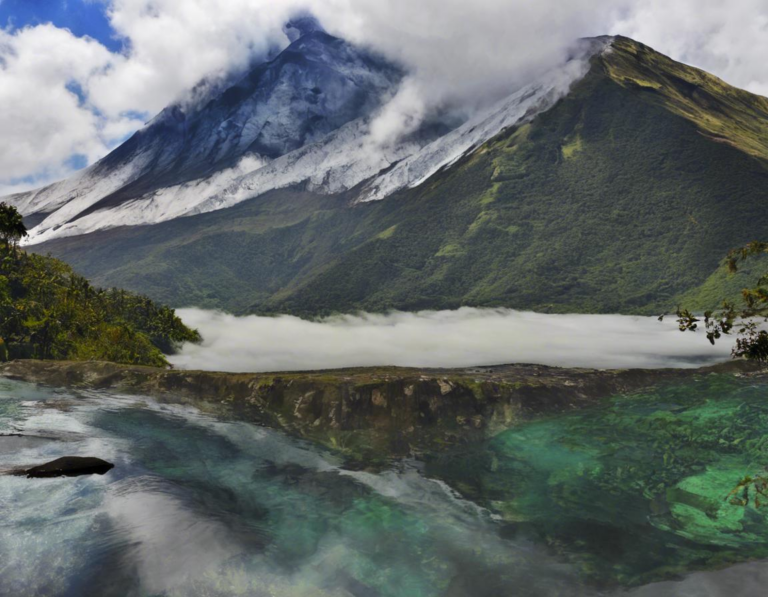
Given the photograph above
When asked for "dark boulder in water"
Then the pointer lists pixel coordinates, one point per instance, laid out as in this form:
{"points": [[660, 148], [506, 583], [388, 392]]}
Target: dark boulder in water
{"points": [[68, 466]]}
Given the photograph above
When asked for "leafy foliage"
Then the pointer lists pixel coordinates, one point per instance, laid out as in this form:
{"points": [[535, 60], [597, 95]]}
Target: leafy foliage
{"points": [[49, 312], [12, 228], [743, 319]]}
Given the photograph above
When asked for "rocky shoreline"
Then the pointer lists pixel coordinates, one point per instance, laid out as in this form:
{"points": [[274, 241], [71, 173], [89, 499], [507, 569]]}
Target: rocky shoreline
{"points": [[370, 413]]}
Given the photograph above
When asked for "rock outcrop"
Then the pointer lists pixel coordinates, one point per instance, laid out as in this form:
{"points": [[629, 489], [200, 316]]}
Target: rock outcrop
{"points": [[373, 412], [67, 466]]}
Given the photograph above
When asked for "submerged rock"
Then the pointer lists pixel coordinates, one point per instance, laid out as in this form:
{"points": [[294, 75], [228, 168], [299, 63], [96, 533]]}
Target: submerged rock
{"points": [[68, 466]]}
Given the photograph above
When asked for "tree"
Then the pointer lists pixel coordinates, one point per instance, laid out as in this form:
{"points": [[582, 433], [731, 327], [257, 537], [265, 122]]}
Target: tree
{"points": [[744, 319], [12, 228], [47, 311]]}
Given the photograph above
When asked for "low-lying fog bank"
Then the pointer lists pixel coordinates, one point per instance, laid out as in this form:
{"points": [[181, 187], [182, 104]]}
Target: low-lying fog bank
{"points": [[460, 338]]}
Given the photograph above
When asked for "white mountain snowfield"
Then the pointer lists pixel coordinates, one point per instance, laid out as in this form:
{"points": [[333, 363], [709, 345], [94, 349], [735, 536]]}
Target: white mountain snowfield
{"points": [[344, 159]]}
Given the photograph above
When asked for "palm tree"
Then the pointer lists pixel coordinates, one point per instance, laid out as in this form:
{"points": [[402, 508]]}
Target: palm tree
{"points": [[12, 228]]}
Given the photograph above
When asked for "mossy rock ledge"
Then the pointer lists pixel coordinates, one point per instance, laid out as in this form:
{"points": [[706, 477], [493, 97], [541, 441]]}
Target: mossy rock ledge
{"points": [[376, 413]]}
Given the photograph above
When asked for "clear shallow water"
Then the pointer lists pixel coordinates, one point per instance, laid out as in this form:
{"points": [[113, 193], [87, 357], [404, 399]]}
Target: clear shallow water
{"points": [[635, 490], [197, 506]]}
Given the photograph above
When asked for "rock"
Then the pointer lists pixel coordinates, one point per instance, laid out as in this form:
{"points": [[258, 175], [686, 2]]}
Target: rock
{"points": [[68, 466], [380, 412]]}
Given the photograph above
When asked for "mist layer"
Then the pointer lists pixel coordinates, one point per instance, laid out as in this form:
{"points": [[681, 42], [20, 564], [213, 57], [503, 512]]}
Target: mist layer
{"points": [[462, 338]]}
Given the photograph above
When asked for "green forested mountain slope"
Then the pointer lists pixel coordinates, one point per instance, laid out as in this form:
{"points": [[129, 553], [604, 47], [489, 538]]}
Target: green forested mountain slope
{"points": [[49, 312], [624, 197]]}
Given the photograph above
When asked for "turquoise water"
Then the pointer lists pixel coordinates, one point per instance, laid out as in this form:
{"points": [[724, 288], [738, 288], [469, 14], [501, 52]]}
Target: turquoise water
{"points": [[637, 490], [604, 502]]}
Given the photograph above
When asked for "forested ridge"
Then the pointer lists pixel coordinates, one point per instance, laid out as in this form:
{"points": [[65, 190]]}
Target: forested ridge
{"points": [[47, 311]]}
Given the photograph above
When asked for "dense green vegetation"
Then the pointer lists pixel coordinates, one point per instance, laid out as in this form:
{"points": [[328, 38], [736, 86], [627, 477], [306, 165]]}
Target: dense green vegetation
{"points": [[622, 198], [49, 312], [12, 228], [721, 112], [745, 318]]}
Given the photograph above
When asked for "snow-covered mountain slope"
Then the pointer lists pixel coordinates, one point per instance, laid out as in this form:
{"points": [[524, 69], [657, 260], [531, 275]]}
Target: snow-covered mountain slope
{"points": [[335, 164], [302, 118], [520, 107], [585, 207], [317, 84]]}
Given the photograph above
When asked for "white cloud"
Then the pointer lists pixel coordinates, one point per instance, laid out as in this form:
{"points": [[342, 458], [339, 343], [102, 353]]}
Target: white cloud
{"points": [[461, 338], [401, 116], [41, 120], [61, 95], [173, 44], [460, 55]]}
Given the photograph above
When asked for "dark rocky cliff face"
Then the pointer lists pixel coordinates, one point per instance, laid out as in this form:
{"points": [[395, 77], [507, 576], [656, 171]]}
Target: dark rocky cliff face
{"points": [[375, 413]]}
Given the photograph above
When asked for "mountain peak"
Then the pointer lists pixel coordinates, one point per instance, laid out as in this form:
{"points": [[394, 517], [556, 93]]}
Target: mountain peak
{"points": [[719, 111], [300, 25]]}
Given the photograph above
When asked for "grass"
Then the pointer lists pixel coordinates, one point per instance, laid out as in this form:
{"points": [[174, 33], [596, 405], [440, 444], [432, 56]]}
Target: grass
{"points": [[572, 148], [387, 233]]}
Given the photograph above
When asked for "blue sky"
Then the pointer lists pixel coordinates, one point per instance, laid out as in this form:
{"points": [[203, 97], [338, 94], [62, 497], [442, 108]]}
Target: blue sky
{"points": [[81, 17]]}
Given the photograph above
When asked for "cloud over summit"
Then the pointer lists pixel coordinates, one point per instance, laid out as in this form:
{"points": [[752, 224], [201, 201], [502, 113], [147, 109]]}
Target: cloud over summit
{"points": [[63, 96]]}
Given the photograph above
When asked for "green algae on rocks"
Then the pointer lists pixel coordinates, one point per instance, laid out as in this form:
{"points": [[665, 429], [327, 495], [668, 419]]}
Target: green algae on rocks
{"points": [[636, 489]]}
